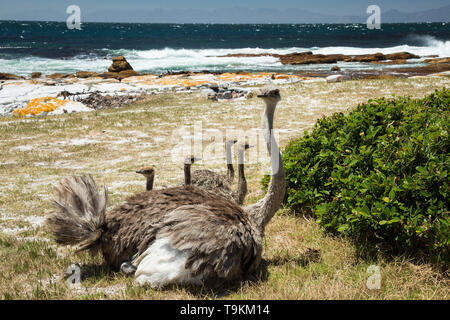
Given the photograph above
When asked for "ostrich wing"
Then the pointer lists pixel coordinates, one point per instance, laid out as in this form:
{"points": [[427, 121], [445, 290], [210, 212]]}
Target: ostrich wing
{"points": [[221, 242]]}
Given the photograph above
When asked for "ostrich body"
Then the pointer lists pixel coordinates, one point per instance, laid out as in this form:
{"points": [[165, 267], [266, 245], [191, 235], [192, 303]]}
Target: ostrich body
{"points": [[211, 180], [178, 235], [221, 184]]}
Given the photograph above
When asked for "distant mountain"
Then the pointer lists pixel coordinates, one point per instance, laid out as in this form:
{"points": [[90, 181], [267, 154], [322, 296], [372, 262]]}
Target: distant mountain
{"points": [[434, 15], [233, 15], [259, 15]]}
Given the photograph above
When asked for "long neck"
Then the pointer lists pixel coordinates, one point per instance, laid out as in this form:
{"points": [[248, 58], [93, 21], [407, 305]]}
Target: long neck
{"points": [[150, 183], [230, 169], [262, 212], [242, 182], [187, 174]]}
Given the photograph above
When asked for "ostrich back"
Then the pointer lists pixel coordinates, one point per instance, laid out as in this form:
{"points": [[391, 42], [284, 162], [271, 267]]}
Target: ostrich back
{"points": [[217, 233], [212, 181]]}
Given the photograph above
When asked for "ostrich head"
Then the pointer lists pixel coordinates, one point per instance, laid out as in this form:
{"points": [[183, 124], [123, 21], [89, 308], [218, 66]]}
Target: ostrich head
{"points": [[231, 142], [147, 172], [190, 160], [270, 94]]}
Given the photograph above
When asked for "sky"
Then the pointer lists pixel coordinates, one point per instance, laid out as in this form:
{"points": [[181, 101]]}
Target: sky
{"points": [[55, 9]]}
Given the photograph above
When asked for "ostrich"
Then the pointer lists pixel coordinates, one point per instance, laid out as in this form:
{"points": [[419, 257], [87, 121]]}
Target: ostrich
{"points": [[239, 194], [221, 184], [188, 162], [208, 178], [177, 235], [149, 174]]}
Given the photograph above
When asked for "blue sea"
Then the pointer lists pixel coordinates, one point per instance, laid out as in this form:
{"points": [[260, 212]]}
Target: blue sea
{"points": [[51, 47]]}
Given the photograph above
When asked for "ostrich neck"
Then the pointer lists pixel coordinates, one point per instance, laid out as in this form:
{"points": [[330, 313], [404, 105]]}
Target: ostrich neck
{"points": [[187, 174], [263, 211], [150, 183], [230, 169], [242, 182]]}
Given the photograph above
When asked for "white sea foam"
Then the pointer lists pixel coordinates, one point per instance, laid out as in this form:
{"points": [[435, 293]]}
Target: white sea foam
{"points": [[210, 59]]}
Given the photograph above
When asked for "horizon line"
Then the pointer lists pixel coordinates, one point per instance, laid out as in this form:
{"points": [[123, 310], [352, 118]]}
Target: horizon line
{"points": [[226, 23]]}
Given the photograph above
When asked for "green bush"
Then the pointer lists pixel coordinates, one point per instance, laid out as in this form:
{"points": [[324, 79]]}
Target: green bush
{"points": [[379, 174]]}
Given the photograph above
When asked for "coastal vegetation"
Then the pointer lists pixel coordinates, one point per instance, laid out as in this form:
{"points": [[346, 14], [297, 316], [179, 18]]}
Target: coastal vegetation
{"points": [[379, 174]]}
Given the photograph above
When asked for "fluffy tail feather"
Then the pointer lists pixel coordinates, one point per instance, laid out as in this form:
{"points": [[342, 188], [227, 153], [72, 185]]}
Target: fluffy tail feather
{"points": [[79, 213]]}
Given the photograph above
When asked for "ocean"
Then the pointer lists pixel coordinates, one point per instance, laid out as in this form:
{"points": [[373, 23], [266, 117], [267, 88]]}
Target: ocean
{"points": [[50, 47]]}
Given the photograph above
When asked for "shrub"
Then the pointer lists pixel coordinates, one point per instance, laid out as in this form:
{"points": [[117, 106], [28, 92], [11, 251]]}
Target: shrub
{"points": [[379, 174]]}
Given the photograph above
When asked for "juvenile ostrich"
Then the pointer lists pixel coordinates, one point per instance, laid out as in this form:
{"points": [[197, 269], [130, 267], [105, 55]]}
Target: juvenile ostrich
{"points": [[239, 194], [188, 162], [211, 180], [149, 174], [221, 184], [178, 235]]}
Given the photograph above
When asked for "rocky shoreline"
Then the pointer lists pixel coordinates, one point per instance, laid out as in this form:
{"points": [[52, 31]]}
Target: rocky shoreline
{"points": [[122, 85]]}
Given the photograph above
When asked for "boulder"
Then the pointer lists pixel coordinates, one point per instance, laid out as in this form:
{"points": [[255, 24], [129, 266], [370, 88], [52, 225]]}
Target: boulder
{"points": [[86, 74], [60, 76], [401, 61], [127, 73], [227, 95], [335, 68], [335, 78], [401, 56], [36, 75], [208, 92], [109, 75], [366, 58], [308, 58], [119, 64], [9, 76], [437, 60]]}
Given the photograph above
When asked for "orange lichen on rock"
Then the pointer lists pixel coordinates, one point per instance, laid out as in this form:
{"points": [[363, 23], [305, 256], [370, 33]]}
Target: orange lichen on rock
{"points": [[39, 105]]}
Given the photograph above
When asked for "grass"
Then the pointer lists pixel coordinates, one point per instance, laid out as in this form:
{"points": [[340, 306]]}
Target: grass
{"points": [[300, 260]]}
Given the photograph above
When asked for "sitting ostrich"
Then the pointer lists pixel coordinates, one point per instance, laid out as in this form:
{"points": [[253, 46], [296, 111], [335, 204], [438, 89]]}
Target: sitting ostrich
{"points": [[210, 179], [177, 235], [220, 184], [149, 174]]}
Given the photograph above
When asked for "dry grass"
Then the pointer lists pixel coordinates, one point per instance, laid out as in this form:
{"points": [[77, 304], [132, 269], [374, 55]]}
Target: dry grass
{"points": [[35, 153]]}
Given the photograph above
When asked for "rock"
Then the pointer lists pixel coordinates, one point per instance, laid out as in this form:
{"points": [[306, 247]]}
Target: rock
{"points": [[308, 58], [208, 92], [366, 58], [36, 75], [119, 64], [97, 101], [86, 74], [109, 75], [335, 68], [335, 78], [227, 95], [437, 60], [401, 56], [60, 76], [127, 73], [56, 76], [9, 76], [401, 61], [250, 95], [214, 87]]}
